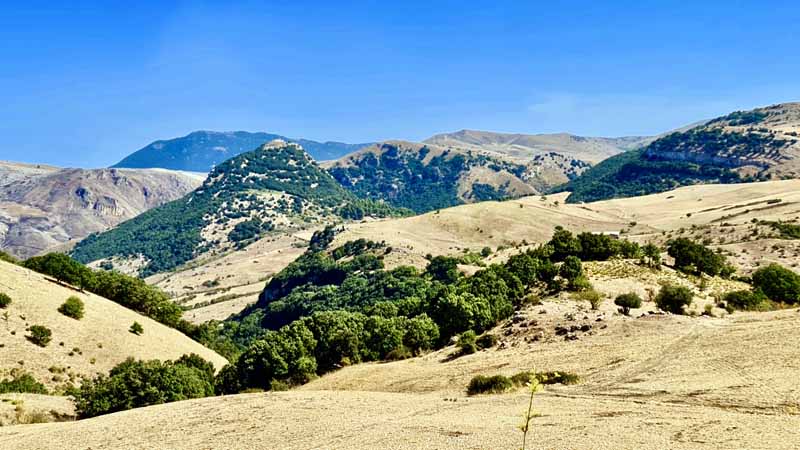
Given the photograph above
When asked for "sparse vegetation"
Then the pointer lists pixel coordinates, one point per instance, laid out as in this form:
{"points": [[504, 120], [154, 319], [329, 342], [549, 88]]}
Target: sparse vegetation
{"points": [[21, 382], [496, 384]]}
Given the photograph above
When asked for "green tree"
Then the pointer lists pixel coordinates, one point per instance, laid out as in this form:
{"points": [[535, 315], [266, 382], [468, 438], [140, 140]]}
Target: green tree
{"points": [[40, 335], [695, 258], [628, 301], [136, 328], [564, 244], [444, 269], [572, 271], [651, 256], [778, 283], [673, 298]]}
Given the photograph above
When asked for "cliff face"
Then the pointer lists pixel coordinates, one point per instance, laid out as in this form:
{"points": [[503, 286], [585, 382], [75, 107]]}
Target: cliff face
{"points": [[44, 207]]}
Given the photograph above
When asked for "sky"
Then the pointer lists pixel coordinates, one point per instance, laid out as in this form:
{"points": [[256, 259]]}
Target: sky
{"points": [[83, 84]]}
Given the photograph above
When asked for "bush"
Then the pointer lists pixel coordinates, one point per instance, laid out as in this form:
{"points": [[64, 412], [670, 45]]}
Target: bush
{"points": [[496, 384], [22, 383], [486, 341], [5, 300], [73, 307], [133, 384], [745, 300], [136, 328], [523, 378], [399, 354], [673, 298], [467, 343], [695, 258], [571, 270], [592, 296], [628, 301], [40, 335], [778, 283]]}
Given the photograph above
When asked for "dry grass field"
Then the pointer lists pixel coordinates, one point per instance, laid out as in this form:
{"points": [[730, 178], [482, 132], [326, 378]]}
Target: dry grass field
{"points": [[721, 213], [85, 347], [647, 382]]}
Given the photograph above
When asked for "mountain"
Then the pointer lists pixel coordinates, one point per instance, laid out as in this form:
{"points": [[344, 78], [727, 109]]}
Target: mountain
{"points": [[277, 187], [202, 150], [93, 344], [42, 207], [760, 144], [526, 146], [423, 177]]}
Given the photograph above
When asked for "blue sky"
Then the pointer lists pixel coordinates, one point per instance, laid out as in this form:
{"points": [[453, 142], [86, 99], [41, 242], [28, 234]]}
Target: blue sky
{"points": [[86, 83]]}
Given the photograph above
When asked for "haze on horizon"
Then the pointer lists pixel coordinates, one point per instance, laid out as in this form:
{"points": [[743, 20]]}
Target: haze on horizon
{"points": [[87, 85]]}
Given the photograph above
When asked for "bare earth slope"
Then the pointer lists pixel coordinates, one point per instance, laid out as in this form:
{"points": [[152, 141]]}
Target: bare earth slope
{"points": [[101, 337], [43, 207]]}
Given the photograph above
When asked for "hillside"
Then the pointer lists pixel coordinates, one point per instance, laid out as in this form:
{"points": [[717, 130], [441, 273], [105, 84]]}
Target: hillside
{"points": [[43, 207], [94, 344], [752, 145], [273, 189], [651, 382], [526, 146], [200, 151], [423, 177]]}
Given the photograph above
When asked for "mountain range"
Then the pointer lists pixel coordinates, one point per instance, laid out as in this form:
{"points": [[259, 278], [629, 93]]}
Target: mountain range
{"points": [[200, 151]]}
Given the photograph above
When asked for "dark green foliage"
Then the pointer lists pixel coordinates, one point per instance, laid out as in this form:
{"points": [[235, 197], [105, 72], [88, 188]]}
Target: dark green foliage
{"points": [[628, 301], [5, 300], [466, 343], [691, 257], [673, 298], [651, 256], [248, 230], [169, 235], [778, 283], [443, 269], [130, 292], [40, 335], [22, 383], [404, 179], [355, 248], [73, 307], [133, 384], [496, 384], [745, 300], [738, 118], [572, 271], [321, 239], [136, 328], [486, 341], [564, 244], [361, 208]]}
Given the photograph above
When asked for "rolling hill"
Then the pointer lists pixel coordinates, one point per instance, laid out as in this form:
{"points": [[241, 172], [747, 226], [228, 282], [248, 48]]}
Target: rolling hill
{"points": [[43, 207], [275, 188], [423, 177], [760, 144], [200, 151], [526, 146], [85, 347]]}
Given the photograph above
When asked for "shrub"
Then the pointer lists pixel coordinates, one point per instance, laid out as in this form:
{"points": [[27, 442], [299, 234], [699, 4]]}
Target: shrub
{"points": [[22, 383], [40, 335], [571, 270], [5, 300], [496, 384], [745, 300], [592, 296], [673, 298], [778, 283], [628, 301], [695, 258], [399, 353], [553, 377], [132, 384], [486, 341], [73, 307], [136, 328], [467, 343]]}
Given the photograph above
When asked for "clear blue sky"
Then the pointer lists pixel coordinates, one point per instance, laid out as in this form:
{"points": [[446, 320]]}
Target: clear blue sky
{"points": [[85, 85]]}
